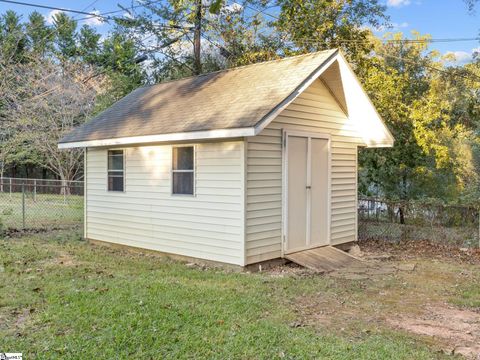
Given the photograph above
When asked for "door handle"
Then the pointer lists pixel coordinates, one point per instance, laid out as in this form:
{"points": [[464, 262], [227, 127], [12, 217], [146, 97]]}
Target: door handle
{"points": [[309, 187]]}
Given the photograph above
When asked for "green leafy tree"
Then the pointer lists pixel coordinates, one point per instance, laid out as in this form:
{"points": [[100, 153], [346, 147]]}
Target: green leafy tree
{"points": [[243, 35], [119, 58], [312, 25], [433, 153], [230, 35], [40, 36], [66, 36], [89, 44], [13, 42]]}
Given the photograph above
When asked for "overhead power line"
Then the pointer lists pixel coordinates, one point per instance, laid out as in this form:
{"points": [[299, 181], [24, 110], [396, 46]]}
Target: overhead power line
{"points": [[42, 6], [90, 5], [122, 10], [93, 15], [261, 12], [465, 75], [105, 16], [407, 41]]}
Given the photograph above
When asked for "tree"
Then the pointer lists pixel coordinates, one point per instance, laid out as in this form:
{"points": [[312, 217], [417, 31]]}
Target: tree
{"points": [[89, 45], [66, 36], [119, 59], [470, 4], [39, 35], [421, 102], [12, 37], [55, 100], [243, 35], [170, 33], [38, 59], [313, 25], [160, 25]]}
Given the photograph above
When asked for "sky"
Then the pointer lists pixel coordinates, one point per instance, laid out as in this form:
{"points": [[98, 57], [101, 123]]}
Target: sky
{"points": [[439, 18]]}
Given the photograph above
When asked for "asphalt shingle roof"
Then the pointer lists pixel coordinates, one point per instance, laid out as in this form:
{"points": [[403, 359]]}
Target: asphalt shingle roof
{"points": [[234, 98]]}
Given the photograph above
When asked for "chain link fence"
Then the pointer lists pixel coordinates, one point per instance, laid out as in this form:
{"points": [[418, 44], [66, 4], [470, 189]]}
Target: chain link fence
{"points": [[27, 204], [415, 220]]}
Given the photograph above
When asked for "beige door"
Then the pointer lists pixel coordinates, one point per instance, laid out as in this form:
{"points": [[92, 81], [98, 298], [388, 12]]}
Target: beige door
{"points": [[307, 192]]}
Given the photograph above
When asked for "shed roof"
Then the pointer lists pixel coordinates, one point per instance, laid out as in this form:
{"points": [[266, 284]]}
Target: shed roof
{"points": [[226, 103]]}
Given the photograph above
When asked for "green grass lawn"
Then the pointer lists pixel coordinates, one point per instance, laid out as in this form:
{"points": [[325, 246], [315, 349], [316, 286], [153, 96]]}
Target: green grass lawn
{"points": [[469, 296], [46, 211], [63, 298]]}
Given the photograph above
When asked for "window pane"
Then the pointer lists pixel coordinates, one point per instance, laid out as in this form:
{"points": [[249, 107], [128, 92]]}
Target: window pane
{"points": [[183, 183], [115, 160], [183, 158], [115, 182]]}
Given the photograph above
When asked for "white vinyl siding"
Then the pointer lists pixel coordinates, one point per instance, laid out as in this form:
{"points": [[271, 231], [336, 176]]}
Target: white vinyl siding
{"points": [[208, 225], [315, 110]]}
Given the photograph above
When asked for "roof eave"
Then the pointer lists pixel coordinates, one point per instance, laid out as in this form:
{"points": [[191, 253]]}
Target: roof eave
{"points": [[388, 144], [152, 139]]}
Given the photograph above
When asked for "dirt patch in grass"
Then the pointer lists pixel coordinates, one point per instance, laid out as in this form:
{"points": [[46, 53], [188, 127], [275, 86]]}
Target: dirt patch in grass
{"points": [[21, 316], [402, 287], [411, 249], [62, 259], [367, 271], [66, 260], [458, 330], [288, 269], [385, 297]]}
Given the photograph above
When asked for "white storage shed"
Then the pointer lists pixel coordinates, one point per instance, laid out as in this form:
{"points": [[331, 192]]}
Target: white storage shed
{"points": [[237, 166]]}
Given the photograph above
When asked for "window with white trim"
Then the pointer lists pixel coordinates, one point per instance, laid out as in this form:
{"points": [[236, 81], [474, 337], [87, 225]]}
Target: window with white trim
{"points": [[116, 171], [183, 170]]}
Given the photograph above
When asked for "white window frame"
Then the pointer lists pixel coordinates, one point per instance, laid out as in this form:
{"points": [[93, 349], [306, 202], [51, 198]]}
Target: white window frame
{"points": [[124, 155], [193, 171]]}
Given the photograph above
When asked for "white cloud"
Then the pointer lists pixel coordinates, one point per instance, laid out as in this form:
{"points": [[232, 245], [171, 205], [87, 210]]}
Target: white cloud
{"points": [[460, 57], [401, 25], [94, 20], [398, 3], [233, 8], [49, 18]]}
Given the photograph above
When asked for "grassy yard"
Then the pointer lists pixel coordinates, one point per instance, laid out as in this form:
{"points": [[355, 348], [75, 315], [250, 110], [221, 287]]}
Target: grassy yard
{"points": [[45, 211], [63, 298]]}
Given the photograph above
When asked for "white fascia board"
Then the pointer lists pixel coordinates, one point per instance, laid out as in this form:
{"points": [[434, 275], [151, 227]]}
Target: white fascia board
{"points": [[148, 139], [379, 145], [370, 124]]}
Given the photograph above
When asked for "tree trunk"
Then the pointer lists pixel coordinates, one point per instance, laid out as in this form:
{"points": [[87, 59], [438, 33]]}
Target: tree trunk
{"points": [[65, 187], [401, 213], [197, 38]]}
